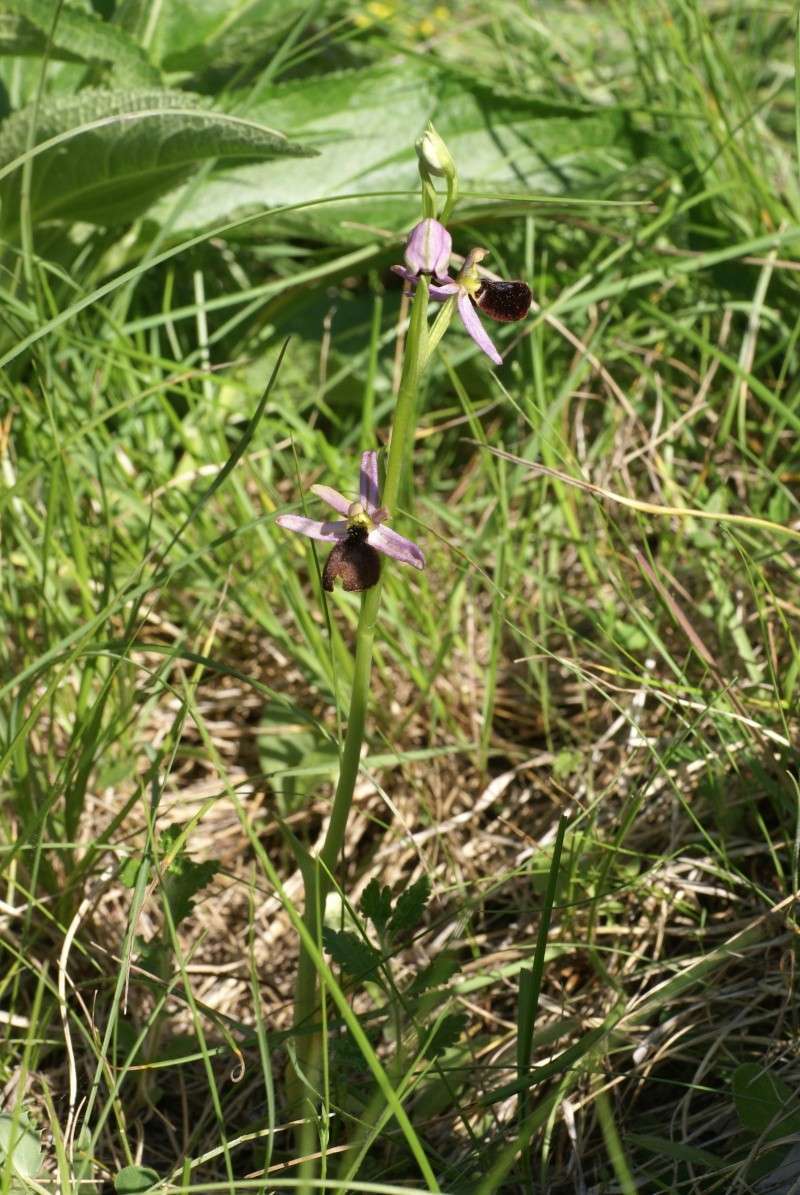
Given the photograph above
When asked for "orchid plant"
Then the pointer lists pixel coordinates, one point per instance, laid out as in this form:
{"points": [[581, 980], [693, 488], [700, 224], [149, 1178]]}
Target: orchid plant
{"points": [[359, 538]]}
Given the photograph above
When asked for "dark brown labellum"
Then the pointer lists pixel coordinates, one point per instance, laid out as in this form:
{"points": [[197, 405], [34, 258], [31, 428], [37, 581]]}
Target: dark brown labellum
{"points": [[504, 301], [352, 561]]}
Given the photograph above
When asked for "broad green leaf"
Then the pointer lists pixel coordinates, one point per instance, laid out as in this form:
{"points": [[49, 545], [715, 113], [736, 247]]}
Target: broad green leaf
{"points": [[517, 145], [193, 34], [141, 144], [376, 904], [764, 1103], [410, 906], [20, 37], [364, 123], [351, 953], [82, 37], [132, 1180], [21, 1141]]}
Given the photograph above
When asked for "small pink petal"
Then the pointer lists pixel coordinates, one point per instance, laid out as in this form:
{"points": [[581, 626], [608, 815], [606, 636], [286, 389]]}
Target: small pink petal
{"points": [[368, 481], [332, 497], [331, 532], [397, 546], [444, 292], [475, 328], [436, 291]]}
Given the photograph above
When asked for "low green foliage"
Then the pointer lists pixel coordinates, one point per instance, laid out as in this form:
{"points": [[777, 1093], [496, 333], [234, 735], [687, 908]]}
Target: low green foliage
{"points": [[78, 36], [376, 904], [409, 906], [348, 951], [764, 1103], [20, 1147], [132, 1180]]}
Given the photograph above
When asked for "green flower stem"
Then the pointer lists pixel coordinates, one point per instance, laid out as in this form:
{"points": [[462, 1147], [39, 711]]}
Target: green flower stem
{"points": [[430, 200], [452, 196], [438, 328], [319, 876], [403, 425]]}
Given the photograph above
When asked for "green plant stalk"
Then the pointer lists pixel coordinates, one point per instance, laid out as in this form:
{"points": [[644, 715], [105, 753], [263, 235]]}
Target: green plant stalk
{"points": [[318, 875], [614, 1147]]}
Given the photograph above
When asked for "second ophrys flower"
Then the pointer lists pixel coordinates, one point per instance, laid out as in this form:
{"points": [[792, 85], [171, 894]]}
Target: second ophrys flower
{"points": [[428, 252]]}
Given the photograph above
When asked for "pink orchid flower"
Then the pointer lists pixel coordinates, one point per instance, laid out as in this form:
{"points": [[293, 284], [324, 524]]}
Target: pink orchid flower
{"points": [[359, 537], [428, 252]]}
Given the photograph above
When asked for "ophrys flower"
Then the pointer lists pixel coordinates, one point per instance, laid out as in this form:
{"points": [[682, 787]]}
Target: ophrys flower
{"points": [[503, 301], [359, 537]]}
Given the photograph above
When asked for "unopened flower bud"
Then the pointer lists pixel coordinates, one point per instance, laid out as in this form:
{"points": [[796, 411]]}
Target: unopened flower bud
{"points": [[434, 155], [428, 248]]}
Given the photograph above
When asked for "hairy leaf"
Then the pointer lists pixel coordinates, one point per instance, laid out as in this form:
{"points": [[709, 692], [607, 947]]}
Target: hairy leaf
{"points": [[363, 122], [351, 953], [20, 37], [82, 37], [141, 144]]}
